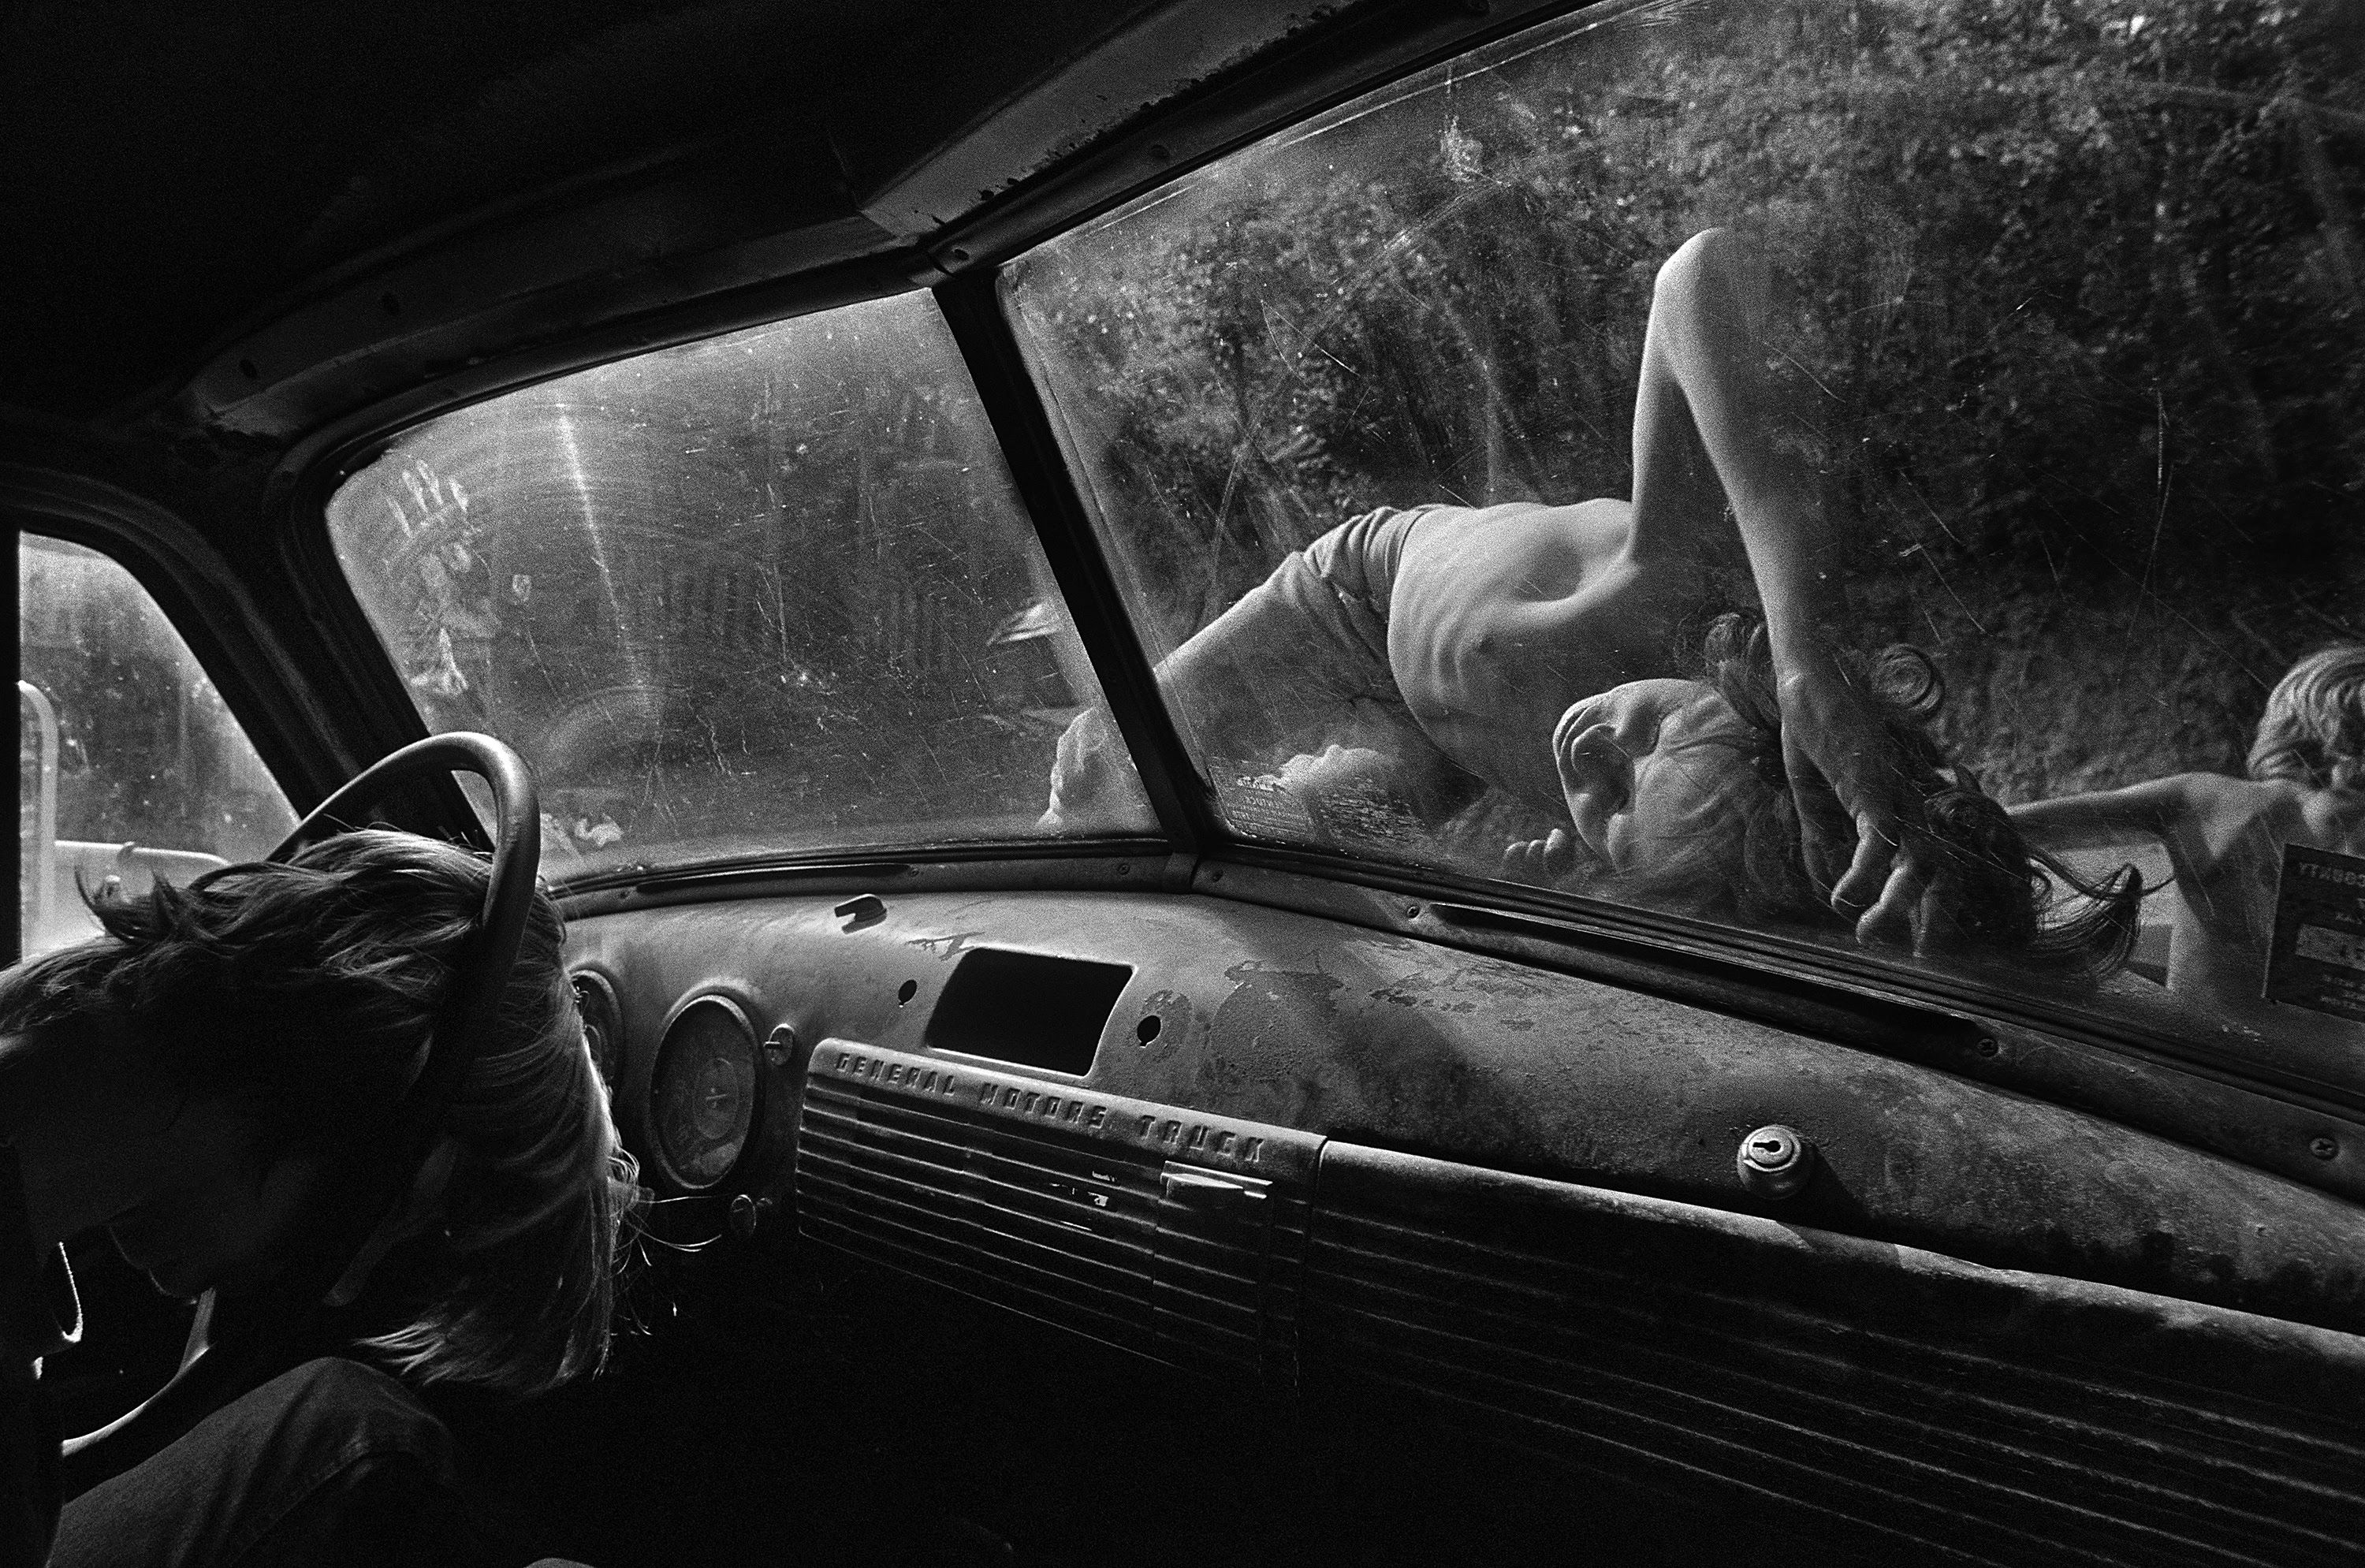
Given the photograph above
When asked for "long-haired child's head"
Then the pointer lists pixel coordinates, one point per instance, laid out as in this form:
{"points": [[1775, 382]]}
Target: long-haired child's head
{"points": [[2313, 729], [305, 994], [1993, 894]]}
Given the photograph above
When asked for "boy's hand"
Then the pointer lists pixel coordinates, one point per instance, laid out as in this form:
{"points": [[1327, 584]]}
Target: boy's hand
{"points": [[1859, 815]]}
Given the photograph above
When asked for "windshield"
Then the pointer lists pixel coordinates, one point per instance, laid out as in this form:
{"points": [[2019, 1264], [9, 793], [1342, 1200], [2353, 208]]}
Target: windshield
{"points": [[771, 592], [1660, 457]]}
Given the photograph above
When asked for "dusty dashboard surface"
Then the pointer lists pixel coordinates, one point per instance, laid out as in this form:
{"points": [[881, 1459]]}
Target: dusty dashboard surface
{"points": [[1334, 1165]]}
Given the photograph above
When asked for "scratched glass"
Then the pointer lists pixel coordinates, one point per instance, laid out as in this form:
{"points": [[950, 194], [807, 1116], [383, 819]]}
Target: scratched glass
{"points": [[2037, 333], [766, 594], [130, 766]]}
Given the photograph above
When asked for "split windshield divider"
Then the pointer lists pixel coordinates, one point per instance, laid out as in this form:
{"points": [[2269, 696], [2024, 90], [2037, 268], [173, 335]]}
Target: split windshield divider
{"points": [[1017, 409]]}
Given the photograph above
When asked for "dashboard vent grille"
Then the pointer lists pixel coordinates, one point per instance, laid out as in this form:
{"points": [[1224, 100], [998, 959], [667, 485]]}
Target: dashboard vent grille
{"points": [[1175, 1235], [1995, 1419]]}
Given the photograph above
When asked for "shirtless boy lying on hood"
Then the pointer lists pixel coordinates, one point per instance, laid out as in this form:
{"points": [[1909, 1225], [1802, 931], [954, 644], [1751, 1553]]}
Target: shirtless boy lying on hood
{"points": [[1529, 648]]}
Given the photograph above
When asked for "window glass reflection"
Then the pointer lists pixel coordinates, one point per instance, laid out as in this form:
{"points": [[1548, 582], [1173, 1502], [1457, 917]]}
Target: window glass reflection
{"points": [[1790, 465], [769, 592]]}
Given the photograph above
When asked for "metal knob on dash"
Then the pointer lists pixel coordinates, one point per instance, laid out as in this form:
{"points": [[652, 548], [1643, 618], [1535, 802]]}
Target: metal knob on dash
{"points": [[1775, 1162]]}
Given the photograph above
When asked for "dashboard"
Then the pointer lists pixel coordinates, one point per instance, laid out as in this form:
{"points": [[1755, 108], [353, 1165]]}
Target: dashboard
{"points": [[1335, 1165]]}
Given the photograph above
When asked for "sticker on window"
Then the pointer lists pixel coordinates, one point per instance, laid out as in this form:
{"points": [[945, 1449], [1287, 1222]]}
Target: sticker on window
{"points": [[1332, 798], [2318, 959], [1260, 805]]}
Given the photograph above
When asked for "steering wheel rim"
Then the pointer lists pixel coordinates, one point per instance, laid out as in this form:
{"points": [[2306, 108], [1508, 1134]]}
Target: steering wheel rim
{"points": [[362, 1204], [500, 924]]}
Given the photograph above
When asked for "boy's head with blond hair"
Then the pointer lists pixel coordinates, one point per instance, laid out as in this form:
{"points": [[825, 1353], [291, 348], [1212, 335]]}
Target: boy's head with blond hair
{"points": [[304, 995], [2313, 729]]}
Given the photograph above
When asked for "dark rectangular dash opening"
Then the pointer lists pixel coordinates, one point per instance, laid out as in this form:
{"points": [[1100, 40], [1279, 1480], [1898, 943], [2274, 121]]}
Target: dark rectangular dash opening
{"points": [[1027, 1008]]}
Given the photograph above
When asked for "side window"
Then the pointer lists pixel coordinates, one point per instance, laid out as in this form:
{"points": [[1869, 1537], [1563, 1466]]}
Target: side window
{"points": [[129, 766], [767, 593]]}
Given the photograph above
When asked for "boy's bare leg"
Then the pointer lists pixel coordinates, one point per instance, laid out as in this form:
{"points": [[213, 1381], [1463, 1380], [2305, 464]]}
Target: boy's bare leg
{"points": [[1284, 670]]}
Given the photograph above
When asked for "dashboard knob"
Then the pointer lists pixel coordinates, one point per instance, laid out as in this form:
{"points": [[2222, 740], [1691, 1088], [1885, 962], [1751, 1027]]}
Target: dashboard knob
{"points": [[1775, 1162]]}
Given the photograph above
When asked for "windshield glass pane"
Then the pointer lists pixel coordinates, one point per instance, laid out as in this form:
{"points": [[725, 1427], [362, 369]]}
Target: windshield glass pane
{"points": [[1737, 459], [766, 593]]}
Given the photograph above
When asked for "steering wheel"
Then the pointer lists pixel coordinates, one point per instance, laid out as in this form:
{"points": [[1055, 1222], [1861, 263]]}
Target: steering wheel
{"points": [[236, 1344]]}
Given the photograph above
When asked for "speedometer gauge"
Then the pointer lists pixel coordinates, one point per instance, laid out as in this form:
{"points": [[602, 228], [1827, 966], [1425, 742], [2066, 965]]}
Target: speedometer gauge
{"points": [[702, 1095]]}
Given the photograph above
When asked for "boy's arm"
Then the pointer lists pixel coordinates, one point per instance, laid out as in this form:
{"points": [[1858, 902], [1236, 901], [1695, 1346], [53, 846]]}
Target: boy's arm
{"points": [[1859, 816], [2149, 809]]}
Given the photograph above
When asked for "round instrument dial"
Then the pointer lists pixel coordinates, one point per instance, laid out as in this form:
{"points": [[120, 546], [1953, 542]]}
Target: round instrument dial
{"points": [[703, 1093], [603, 1023]]}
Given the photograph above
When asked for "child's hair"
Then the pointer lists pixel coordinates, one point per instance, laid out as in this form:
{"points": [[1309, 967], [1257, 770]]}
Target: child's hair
{"points": [[1999, 894], [2313, 729], [306, 991]]}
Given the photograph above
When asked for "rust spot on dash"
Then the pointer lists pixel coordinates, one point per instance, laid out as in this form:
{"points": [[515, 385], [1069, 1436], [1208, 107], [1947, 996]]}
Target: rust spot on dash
{"points": [[950, 946]]}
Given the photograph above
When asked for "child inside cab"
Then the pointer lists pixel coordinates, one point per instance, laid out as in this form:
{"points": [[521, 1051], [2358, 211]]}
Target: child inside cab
{"points": [[188, 1079], [2226, 837]]}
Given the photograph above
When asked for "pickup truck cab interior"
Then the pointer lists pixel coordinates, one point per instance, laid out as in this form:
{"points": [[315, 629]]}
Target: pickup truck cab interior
{"points": [[1377, 782]]}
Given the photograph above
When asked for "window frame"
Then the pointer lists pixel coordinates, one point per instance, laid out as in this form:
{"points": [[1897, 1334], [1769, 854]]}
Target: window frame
{"points": [[331, 458], [213, 607]]}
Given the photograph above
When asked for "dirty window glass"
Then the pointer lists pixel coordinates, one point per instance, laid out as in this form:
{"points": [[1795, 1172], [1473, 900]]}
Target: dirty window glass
{"points": [[129, 766], [1668, 453], [768, 592]]}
